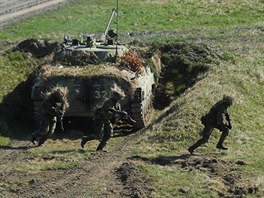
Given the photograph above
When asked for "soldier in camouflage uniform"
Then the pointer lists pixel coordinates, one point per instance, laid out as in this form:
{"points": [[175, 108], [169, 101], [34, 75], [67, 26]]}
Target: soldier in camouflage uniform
{"points": [[52, 109], [215, 119], [104, 128], [111, 37]]}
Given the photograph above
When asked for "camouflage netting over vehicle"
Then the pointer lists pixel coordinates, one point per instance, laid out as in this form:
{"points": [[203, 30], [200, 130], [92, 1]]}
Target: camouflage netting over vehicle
{"points": [[89, 67], [90, 85]]}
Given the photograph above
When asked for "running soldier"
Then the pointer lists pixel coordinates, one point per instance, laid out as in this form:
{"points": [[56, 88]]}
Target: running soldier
{"points": [[215, 119], [51, 111], [103, 117]]}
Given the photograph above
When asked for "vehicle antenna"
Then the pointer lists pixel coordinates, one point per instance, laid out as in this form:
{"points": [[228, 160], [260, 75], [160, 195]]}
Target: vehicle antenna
{"points": [[117, 26]]}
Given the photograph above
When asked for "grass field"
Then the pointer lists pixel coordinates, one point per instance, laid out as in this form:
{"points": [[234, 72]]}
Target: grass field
{"points": [[153, 15], [234, 28]]}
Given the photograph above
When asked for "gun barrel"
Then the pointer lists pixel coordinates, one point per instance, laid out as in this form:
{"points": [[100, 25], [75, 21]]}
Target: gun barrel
{"points": [[131, 119], [108, 25]]}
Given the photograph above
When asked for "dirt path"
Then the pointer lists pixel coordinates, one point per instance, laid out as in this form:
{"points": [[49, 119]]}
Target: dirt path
{"points": [[112, 174], [96, 176], [12, 11]]}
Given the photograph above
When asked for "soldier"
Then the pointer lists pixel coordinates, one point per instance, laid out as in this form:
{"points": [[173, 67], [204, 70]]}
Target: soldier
{"points": [[52, 109], [215, 119], [103, 117], [90, 42], [111, 37]]}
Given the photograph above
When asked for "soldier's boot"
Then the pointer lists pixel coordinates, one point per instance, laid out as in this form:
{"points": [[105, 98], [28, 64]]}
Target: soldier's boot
{"points": [[221, 141], [33, 139], [85, 139], [42, 140], [196, 145], [101, 146]]}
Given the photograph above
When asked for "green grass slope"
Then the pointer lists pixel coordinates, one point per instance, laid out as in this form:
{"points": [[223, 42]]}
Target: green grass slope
{"points": [[241, 76]]}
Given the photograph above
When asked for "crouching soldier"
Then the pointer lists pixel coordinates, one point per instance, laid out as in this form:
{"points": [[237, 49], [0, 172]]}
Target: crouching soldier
{"points": [[215, 119], [103, 117], [51, 111]]}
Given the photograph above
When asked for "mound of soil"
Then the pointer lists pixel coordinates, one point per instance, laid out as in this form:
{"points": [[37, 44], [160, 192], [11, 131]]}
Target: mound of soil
{"points": [[37, 48], [136, 183], [217, 169], [183, 65]]}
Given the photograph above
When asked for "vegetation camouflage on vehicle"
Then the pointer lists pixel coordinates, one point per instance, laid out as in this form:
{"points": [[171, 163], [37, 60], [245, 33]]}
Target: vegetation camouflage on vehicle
{"points": [[90, 67]]}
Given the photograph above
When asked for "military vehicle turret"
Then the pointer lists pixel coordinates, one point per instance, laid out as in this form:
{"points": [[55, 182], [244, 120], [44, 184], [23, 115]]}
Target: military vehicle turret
{"points": [[89, 67]]}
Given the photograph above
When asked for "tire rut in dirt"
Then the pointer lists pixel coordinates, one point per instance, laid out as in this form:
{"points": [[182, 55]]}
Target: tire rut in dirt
{"points": [[98, 173]]}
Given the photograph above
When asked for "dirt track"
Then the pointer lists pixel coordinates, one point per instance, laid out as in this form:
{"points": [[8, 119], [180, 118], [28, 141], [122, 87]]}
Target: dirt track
{"points": [[112, 174], [12, 11], [98, 176]]}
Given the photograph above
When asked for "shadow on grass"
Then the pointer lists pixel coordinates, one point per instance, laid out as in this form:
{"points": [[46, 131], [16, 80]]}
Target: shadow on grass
{"points": [[16, 111]]}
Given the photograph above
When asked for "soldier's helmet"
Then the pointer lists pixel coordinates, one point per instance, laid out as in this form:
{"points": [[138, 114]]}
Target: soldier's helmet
{"points": [[111, 33], [59, 93], [117, 93], [228, 100]]}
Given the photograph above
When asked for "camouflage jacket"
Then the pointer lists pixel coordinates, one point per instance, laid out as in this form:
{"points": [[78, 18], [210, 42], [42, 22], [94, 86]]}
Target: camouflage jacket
{"points": [[215, 116], [50, 110], [104, 112]]}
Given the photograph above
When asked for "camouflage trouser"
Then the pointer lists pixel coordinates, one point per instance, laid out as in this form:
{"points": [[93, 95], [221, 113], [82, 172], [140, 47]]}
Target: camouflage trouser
{"points": [[107, 134], [207, 131], [98, 129]]}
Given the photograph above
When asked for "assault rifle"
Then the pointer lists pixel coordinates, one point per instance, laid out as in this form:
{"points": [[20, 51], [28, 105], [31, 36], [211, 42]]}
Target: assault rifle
{"points": [[123, 114]]}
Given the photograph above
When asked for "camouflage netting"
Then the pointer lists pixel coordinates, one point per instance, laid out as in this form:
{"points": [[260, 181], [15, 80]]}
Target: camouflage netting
{"points": [[54, 74], [76, 58], [132, 61], [117, 92], [138, 57], [55, 97], [183, 65], [50, 71], [57, 94]]}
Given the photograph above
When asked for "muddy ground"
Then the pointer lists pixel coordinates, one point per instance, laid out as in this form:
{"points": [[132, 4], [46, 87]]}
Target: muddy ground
{"points": [[103, 174]]}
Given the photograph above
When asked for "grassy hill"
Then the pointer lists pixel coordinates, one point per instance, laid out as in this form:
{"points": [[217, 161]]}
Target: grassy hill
{"points": [[240, 76], [232, 28]]}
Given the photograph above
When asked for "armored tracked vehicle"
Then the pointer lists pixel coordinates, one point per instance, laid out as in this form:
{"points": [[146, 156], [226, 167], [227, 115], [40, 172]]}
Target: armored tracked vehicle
{"points": [[90, 67]]}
